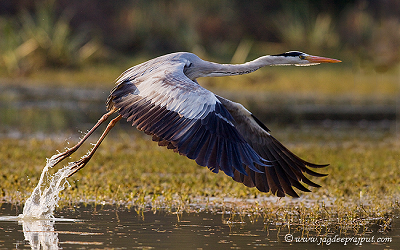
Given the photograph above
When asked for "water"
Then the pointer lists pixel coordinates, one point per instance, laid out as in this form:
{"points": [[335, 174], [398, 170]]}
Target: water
{"points": [[38, 233], [37, 218], [108, 226], [27, 108], [94, 227], [90, 227]]}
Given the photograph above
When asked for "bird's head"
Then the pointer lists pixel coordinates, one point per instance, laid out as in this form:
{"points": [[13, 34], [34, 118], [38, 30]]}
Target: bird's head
{"points": [[301, 59]]}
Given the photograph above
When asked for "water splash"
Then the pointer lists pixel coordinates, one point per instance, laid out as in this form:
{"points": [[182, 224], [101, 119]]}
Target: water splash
{"points": [[45, 196]]}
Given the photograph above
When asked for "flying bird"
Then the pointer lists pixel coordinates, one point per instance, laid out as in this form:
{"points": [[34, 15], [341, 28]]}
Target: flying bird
{"points": [[163, 98]]}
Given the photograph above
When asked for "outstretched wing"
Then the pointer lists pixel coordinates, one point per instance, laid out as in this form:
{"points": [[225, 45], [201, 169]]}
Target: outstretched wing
{"points": [[183, 116], [285, 169]]}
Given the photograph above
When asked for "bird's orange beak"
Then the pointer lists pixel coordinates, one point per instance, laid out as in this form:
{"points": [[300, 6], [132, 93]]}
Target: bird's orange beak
{"points": [[318, 59]]}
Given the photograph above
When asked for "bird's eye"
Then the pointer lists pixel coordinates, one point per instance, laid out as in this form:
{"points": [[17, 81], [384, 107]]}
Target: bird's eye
{"points": [[302, 57]]}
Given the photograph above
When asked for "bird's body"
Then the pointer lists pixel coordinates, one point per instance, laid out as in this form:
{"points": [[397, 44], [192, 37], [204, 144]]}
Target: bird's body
{"points": [[163, 98]]}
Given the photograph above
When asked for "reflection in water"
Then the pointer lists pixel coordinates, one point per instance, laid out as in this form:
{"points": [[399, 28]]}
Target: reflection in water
{"points": [[37, 218], [117, 227], [40, 234]]}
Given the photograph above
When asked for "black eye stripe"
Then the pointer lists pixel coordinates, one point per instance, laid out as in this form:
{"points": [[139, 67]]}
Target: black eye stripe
{"points": [[292, 53]]}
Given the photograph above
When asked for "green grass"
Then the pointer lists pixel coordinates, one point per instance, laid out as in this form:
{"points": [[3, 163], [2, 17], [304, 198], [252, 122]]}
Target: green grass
{"points": [[129, 170]]}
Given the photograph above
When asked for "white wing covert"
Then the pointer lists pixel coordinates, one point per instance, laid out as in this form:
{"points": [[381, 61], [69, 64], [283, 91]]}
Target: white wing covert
{"points": [[183, 116]]}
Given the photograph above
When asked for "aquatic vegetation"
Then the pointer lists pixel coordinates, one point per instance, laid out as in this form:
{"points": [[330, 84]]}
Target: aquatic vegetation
{"points": [[131, 171]]}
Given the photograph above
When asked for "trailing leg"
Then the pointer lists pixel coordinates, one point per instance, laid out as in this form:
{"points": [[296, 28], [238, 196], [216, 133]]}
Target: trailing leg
{"points": [[84, 160], [67, 153]]}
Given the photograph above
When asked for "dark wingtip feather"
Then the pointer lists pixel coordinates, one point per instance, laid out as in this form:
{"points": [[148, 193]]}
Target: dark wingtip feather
{"points": [[313, 173], [313, 165], [308, 182], [294, 195], [299, 186], [262, 125]]}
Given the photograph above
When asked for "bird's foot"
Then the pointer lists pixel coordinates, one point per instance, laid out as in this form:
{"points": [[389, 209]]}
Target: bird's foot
{"points": [[61, 156], [77, 165]]}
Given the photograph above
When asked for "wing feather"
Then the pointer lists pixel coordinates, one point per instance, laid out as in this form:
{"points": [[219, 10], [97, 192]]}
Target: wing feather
{"points": [[285, 169], [183, 116], [159, 99]]}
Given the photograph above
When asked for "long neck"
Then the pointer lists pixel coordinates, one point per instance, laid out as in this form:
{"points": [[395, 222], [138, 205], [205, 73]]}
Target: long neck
{"points": [[216, 69]]}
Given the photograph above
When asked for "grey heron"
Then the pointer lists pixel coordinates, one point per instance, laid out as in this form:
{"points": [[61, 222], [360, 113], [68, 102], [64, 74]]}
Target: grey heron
{"points": [[163, 98]]}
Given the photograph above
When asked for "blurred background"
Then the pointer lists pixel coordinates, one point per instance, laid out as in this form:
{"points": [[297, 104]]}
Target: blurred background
{"points": [[62, 56]]}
